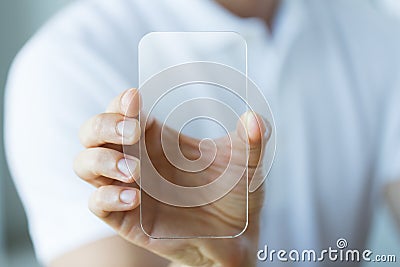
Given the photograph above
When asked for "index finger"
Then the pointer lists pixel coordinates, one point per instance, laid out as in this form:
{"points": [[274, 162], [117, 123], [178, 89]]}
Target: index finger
{"points": [[128, 103]]}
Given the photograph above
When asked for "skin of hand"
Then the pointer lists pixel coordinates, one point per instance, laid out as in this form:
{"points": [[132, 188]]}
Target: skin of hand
{"points": [[116, 199]]}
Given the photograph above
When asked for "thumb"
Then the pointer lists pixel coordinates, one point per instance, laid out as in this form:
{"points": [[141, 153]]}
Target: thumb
{"points": [[253, 130]]}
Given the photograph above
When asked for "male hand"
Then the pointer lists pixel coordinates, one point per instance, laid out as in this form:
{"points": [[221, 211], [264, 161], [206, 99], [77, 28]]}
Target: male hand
{"points": [[104, 165]]}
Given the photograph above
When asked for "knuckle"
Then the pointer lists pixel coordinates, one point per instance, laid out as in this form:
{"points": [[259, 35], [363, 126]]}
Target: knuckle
{"points": [[98, 197], [98, 124], [96, 157], [96, 207], [83, 135], [92, 130], [92, 205], [76, 164]]}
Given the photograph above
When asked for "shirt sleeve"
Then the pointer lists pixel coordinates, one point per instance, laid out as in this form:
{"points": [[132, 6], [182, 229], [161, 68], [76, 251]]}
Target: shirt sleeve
{"points": [[58, 81]]}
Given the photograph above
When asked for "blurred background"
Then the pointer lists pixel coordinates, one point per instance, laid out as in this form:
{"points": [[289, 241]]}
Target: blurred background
{"points": [[19, 19]]}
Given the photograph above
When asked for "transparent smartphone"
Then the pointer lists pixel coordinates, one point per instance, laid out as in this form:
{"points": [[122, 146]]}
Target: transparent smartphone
{"points": [[194, 177]]}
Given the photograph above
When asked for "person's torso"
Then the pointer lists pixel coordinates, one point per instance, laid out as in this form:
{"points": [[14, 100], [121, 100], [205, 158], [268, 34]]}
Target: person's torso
{"points": [[325, 101]]}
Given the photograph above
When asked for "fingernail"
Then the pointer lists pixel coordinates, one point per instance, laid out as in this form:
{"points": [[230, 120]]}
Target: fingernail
{"points": [[254, 127], [126, 128], [127, 166], [127, 196], [251, 120], [126, 99]]}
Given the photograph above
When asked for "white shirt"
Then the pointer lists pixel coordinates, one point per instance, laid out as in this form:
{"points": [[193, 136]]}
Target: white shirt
{"points": [[330, 73]]}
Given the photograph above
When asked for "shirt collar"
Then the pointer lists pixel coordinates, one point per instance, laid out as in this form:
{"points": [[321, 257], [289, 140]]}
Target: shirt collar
{"points": [[287, 24]]}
